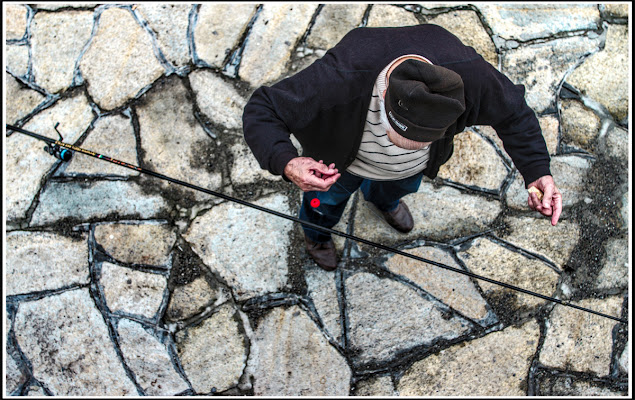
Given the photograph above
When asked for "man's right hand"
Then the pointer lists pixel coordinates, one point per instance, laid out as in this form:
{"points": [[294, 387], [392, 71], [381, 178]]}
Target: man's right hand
{"points": [[310, 175]]}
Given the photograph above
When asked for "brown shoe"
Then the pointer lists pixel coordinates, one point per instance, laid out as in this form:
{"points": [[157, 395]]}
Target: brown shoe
{"points": [[322, 253], [400, 218]]}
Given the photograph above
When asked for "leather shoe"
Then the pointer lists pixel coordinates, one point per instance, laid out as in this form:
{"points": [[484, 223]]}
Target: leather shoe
{"points": [[322, 253], [400, 218]]}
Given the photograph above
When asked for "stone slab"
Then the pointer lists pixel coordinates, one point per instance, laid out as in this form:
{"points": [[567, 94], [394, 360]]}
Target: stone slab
{"points": [[170, 24], [137, 243]]}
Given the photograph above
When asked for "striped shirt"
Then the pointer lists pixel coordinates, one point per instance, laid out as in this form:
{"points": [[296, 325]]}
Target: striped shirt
{"points": [[378, 158]]}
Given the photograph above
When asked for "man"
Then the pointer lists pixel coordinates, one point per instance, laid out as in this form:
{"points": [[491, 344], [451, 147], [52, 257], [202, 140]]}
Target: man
{"points": [[378, 112]]}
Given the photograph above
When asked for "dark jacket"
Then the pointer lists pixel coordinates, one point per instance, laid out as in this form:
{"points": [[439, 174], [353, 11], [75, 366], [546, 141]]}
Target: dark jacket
{"points": [[325, 105]]}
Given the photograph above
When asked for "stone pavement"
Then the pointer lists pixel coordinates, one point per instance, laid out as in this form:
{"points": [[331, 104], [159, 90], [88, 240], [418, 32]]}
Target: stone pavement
{"points": [[120, 284]]}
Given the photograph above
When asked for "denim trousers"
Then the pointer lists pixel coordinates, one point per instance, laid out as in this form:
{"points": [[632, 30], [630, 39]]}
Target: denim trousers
{"points": [[384, 195]]}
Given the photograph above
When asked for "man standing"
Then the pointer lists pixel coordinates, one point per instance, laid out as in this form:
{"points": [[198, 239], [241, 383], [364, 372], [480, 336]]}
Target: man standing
{"points": [[379, 111]]}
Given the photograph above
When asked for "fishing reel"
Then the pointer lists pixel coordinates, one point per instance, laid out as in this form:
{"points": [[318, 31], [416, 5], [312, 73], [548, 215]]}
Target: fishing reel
{"points": [[58, 151]]}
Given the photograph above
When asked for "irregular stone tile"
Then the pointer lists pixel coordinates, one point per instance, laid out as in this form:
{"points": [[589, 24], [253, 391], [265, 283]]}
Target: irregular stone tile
{"points": [[218, 30], [14, 378], [120, 60], [580, 125], [375, 386], [272, 39], [333, 22], [96, 200], [615, 10], [388, 15], [467, 26], [602, 75], [245, 169], [387, 317], [625, 206], [15, 16], [581, 341], [143, 243], [247, 247], [27, 164], [569, 172], [67, 342], [438, 213], [614, 144], [625, 361], [213, 353], [493, 261], [38, 261], [113, 136], [566, 385], [524, 22], [291, 357], [451, 288], [322, 289], [170, 23], [615, 271], [23, 100], [130, 291], [57, 6], [57, 40], [474, 163], [541, 67], [17, 58], [494, 365], [174, 142], [530, 234], [149, 360], [35, 390], [217, 99], [191, 299], [549, 125]]}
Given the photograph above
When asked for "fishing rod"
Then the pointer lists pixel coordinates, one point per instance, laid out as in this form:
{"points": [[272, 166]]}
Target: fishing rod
{"points": [[57, 148]]}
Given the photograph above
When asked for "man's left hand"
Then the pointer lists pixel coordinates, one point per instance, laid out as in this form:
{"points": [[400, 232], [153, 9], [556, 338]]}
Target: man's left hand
{"points": [[551, 203]]}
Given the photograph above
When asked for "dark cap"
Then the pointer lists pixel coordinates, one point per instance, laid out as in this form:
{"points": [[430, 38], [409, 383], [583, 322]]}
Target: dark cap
{"points": [[423, 100]]}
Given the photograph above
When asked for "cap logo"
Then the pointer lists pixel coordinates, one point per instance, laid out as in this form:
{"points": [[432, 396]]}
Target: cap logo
{"points": [[399, 124]]}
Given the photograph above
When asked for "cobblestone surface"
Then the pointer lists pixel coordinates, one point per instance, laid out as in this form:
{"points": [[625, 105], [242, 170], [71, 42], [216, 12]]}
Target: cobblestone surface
{"points": [[117, 283]]}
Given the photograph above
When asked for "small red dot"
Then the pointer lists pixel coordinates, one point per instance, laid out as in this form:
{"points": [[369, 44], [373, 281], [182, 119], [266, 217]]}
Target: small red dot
{"points": [[315, 203]]}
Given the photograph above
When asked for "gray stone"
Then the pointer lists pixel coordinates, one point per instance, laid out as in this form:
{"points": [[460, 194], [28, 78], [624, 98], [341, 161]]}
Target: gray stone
{"points": [[120, 60], [333, 22], [569, 172], [67, 342], [174, 143], [170, 23], [217, 99], [524, 22], [57, 40], [438, 213], [467, 26], [494, 261], [213, 353], [541, 67], [272, 39], [625, 209], [26, 163], [386, 317], [193, 298], [388, 15], [57, 6], [291, 357], [112, 136], [538, 236], [15, 18], [322, 289], [137, 243], [246, 247], [615, 271], [149, 360], [614, 144], [580, 125], [133, 292], [39, 261], [245, 169], [474, 163], [616, 10], [625, 360], [96, 200], [379, 386], [17, 57], [567, 385], [451, 288], [494, 365], [603, 74], [581, 341], [23, 100], [218, 30]]}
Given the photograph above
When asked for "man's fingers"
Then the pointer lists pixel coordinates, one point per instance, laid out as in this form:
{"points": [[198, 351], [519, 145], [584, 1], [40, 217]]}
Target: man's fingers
{"points": [[557, 208]]}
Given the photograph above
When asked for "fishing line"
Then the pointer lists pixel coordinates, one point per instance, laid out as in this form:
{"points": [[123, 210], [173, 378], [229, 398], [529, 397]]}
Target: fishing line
{"points": [[57, 144]]}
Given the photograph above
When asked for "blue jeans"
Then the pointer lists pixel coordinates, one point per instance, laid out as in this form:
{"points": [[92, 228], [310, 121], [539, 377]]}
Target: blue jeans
{"points": [[384, 195]]}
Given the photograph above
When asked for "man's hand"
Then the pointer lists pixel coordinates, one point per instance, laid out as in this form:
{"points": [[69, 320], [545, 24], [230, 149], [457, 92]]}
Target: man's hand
{"points": [[309, 174], [551, 203]]}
